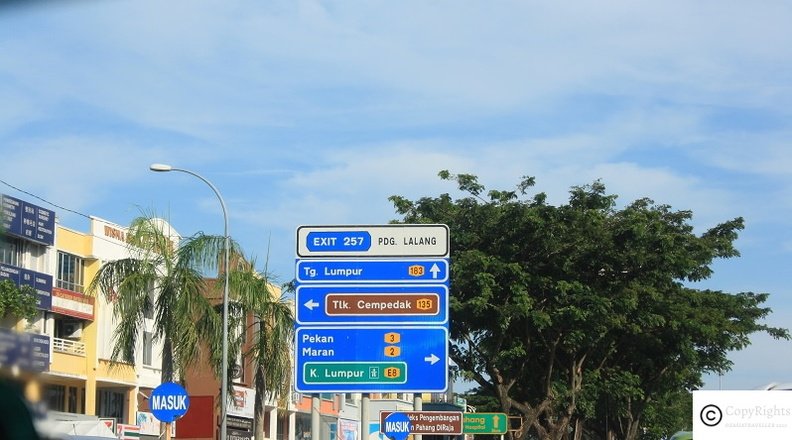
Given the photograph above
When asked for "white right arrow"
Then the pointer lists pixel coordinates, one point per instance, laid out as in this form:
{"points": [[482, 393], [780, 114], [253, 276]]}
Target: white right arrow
{"points": [[311, 304], [435, 270], [432, 359]]}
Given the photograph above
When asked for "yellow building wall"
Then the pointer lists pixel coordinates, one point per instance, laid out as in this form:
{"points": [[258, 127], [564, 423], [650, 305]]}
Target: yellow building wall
{"points": [[80, 244], [69, 364]]}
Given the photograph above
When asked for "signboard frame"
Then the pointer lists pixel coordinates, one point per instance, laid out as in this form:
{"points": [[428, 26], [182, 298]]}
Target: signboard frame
{"points": [[358, 279]]}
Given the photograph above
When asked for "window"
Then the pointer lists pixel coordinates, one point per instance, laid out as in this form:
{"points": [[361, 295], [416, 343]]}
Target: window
{"points": [[55, 395], [111, 404], [8, 251], [70, 272], [72, 401], [148, 345], [148, 308], [68, 328]]}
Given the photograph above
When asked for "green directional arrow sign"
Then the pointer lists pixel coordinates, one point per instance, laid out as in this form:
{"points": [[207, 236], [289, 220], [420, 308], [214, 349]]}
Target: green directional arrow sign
{"points": [[355, 372], [485, 423]]}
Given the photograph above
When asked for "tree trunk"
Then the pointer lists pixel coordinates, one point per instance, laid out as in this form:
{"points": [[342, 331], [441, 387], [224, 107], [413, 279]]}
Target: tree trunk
{"points": [[578, 429], [260, 403], [167, 360]]}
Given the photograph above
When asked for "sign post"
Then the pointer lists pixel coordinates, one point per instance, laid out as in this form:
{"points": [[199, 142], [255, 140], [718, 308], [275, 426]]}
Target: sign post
{"points": [[168, 402], [372, 308]]}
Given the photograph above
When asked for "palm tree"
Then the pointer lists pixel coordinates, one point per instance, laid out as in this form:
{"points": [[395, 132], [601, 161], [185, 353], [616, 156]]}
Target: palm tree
{"points": [[273, 332], [183, 315]]}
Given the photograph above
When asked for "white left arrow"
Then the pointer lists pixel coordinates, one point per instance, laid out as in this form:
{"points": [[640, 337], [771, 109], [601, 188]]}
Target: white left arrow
{"points": [[432, 359], [311, 304]]}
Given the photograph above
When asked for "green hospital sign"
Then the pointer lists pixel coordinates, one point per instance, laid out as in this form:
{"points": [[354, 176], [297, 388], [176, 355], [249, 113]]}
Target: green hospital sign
{"points": [[485, 423]]}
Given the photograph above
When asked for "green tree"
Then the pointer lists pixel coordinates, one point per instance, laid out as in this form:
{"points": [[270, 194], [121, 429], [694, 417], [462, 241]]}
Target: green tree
{"points": [[165, 279], [185, 307], [555, 307], [270, 340], [17, 302]]}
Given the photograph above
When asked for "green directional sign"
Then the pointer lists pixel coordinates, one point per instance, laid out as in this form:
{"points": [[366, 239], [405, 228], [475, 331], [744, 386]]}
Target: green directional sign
{"points": [[355, 372], [485, 423]]}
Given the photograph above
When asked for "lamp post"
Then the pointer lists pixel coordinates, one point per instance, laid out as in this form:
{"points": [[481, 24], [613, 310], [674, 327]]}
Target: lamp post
{"points": [[158, 167]]}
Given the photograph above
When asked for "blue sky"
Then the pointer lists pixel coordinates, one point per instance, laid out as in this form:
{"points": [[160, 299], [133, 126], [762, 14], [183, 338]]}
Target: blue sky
{"points": [[313, 113]]}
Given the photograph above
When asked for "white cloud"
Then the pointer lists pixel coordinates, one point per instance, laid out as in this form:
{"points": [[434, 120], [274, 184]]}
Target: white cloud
{"points": [[196, 65]]}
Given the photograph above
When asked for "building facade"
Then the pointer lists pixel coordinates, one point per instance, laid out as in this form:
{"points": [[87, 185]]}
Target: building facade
{"points": [[62, 359]]}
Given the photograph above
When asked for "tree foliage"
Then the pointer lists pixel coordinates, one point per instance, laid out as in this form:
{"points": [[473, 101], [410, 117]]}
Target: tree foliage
{"points": [[561, 311], [166, 281], [170, 282], [17, 302], [271, 335]]}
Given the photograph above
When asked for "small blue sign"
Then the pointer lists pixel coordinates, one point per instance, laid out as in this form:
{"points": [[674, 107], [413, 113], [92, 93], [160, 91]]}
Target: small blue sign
{"points": [[339, 241], [397, 426], [431, 270], [168, 402]]}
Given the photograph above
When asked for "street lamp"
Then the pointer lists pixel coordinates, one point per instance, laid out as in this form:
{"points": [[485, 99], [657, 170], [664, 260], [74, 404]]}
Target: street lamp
{"points": [[158, 167]]}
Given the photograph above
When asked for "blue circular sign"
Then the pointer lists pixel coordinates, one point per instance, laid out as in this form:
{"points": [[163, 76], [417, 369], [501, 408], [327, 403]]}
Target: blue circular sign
{"points": [[168, 402], [397, 426]]}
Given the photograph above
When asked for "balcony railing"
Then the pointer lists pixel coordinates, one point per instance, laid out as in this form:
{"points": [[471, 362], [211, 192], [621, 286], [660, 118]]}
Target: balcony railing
{"points": [[68, 346]]}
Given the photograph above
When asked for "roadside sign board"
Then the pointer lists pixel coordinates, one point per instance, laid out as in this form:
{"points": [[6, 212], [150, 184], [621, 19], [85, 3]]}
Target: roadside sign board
{"points": [[397, 426], [372, 308], [373, 241], [429, 422], [169, 401], [368, 359], [485, 423], [372, 304], [427, 270]]}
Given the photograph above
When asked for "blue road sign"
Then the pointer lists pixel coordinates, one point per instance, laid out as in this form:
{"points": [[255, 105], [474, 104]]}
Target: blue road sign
{"points": [[371, 359], [397, 426], [373, 271], [372, 308], [372, 304], [168, 402]]}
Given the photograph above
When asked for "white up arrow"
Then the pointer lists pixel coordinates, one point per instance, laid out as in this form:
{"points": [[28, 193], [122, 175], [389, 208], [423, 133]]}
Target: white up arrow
{"points": [[432, 359], [311, 304], [435, 270]]}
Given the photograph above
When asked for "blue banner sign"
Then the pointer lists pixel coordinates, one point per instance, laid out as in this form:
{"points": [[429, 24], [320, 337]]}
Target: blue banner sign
{"points": [[395, 358], [27, 220], [28, 351], [338, 241], [372, 271]]}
